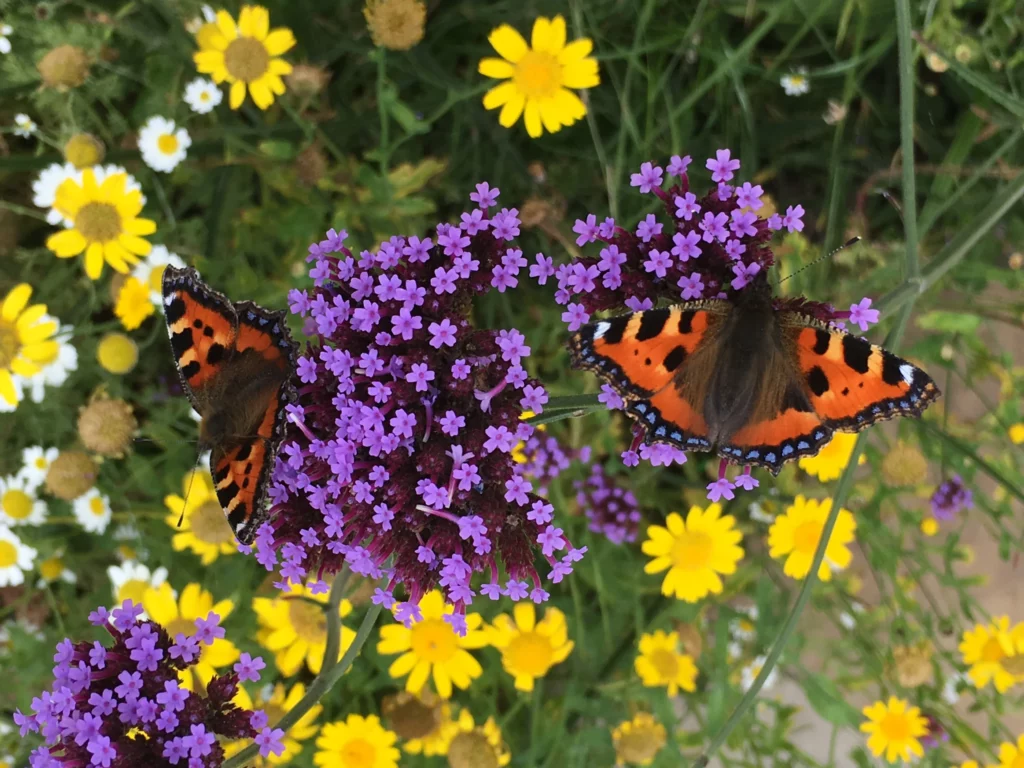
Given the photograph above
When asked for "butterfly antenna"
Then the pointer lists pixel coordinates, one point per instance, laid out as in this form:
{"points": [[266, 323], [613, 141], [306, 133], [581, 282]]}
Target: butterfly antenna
{"points": [[829, 255], [188, 491]]}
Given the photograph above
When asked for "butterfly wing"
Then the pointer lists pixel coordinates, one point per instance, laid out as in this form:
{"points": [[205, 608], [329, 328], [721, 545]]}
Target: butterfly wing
{"points": [[242, 469], [657, 361], [202, 325], [833, 381]]}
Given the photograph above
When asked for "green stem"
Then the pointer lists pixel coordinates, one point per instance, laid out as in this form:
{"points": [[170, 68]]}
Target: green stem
{"points": [[906, 69], [331, 671]]}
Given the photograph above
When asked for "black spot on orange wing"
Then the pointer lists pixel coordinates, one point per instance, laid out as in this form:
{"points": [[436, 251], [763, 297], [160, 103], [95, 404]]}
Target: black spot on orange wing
{"points": [[856, 353], [652, 323], [674, 358], [817, 381]]}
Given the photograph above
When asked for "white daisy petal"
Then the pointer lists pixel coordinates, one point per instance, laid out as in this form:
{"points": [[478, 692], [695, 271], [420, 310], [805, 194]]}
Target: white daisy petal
{"points": [[92, 510], [162, 144], [19, 504], [15, 558], [202, 95]]}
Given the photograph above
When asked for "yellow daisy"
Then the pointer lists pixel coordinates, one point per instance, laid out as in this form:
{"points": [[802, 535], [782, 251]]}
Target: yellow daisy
{"points": [[133, 305], [538, 76], [995, 654], [431, 645], [277, 705], [358, 742], [422, 721], [894, 729], [204, 528], [695, 552], [180, 615], [473, 746], [661, 664], [1017, 433], [638, 741], [528, 648], [1012, 755], [795, 536], [294, 628], [25, 340], [105, 223], [244, 55], [831, 460]]}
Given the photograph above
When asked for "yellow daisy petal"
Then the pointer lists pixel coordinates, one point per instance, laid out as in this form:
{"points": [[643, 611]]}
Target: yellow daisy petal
{"points": [[509, 44]]}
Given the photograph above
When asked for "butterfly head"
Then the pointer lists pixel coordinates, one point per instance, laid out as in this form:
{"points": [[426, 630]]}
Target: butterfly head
{"points": [[757, 294]]}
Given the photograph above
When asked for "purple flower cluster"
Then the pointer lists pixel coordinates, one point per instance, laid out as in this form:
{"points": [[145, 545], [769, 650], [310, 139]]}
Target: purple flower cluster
{"points": [[542, 458], [611, 509], [951, 498], [122, 706], [402, 439]]}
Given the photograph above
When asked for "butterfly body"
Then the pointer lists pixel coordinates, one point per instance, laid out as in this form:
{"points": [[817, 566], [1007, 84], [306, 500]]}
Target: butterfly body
{"points": [[753, 383], [235, 361]]}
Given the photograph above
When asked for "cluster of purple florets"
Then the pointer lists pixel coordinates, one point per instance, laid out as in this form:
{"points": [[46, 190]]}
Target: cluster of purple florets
{"points": [[611, 510], [400, 461], [542, 458], [123, 706], [951, 498]]}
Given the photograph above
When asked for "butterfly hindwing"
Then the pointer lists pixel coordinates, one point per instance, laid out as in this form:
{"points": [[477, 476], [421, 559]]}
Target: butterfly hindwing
{"points": [[852, 383]]}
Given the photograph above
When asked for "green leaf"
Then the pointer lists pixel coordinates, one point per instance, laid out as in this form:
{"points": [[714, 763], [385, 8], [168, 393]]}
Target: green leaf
{"points": [[276, 149], [828, 701], [949, 322]]}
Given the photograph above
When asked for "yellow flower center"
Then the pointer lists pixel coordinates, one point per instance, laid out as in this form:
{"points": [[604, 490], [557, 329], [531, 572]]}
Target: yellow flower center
{"points": [[638, 747], [246, 59], [167, 143], [666, 663], [992, 651], [538, 75], [41, 463], [358, 753], [204, 96], [472, 750], [1018, 761], [434, 641], [209, 524], [180, 626], [97, 507], [16, 504], [308, 620], [51, 569], [530, 654], [98, 222], [133, 590], [692, 551], [10, 343], [806, 537], [8, 554], [895, 727], [797, 80]]}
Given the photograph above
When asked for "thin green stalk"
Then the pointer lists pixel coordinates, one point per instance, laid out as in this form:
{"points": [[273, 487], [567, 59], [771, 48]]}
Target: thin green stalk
{"points": [[906, 68], [382, 110], [331, 671]]}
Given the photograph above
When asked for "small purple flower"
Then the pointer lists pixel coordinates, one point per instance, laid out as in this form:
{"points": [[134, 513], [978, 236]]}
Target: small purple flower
{"points": [[126, 616], [209, 629], [485, 196], [650, 176], [677, 165], [201, 742], [99, 617], [657, 262], [587, 230], [691, 287], [734, 249], [248, 668], [792, 219], [862, 315], [713, 227], [722, 165], [516, 590], [270, 742], [442, 334], [749, 196], [648, 228], [575, 316], [951, 498], [720, 489], [686, 247], [103, 753], [173, 696], [686, 206], [420, 375], [610, 398], [744, 274]]}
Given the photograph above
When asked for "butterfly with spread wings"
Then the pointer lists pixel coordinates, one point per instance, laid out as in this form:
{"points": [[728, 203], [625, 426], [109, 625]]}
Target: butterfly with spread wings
{"points": [[757, 385], [235, 361]]}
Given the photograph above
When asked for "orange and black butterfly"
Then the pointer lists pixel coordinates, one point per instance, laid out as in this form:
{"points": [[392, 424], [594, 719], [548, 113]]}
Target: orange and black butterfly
{"points": [[755, 384], [235, 360]]}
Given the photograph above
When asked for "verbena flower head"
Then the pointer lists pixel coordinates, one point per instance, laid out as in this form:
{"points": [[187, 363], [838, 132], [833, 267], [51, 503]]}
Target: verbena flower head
{"points": [[612, 510], [121, 705], [407, 420], [951, 498]]}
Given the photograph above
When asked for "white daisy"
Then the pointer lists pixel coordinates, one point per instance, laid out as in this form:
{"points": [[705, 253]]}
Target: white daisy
{"points": [[744, 628], [53, 569], [951, 688], [5, 44], [131, 579], [163, 145], [126, 532], [847, 620], [203, 95], [56, 371], [734, 650], [92, 510], [18, 503], [15, 558], [150, 271], [750, 672], [23, 125], [796, 83], [758, 513], [35, 463]]}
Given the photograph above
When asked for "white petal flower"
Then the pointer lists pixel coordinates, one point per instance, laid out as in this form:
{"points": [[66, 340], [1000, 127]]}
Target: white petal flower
{"points": [[92, 510], [750, 672], [19, 504], [203, 95], [131, 579], [150, 271], [24, 126], [15, 558], [35, 463], [5, 32], [163, 145], [796, 83]]}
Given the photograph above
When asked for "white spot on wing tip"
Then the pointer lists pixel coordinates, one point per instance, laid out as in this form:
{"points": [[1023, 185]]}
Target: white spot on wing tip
{"points": [[907, 372], [601, 330]]}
